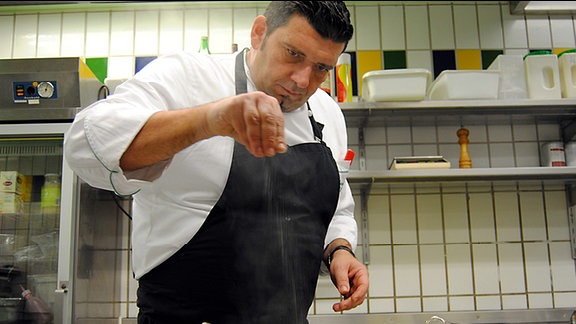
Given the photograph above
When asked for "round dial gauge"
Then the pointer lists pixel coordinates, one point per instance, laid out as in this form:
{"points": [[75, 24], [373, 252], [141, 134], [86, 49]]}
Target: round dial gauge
{"points": [[45, 89]]}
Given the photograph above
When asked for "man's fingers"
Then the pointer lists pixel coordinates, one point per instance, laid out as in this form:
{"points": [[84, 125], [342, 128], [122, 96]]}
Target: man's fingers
{"points": [[264, 127], [253, 119]]}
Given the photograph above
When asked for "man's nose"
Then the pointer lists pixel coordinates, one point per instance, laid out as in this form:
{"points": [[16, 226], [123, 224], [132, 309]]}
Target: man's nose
{"points": [[302, 76]]}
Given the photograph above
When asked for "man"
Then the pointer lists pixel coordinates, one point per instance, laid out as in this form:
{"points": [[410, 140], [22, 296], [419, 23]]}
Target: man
{"points": [[231, 161]]}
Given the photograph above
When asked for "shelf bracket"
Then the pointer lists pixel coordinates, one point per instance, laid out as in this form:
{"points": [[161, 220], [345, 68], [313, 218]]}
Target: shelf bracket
{"points": [[361, 149], [569, 131], [364, 194], [572, 228], [571, 199]]}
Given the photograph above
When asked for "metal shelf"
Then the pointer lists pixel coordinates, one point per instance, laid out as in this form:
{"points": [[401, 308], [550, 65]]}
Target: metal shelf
{"points": [[463, 112], [551, 174]]}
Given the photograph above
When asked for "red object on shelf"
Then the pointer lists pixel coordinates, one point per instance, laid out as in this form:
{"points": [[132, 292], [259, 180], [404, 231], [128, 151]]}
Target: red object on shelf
{"points": [[349, 156]]}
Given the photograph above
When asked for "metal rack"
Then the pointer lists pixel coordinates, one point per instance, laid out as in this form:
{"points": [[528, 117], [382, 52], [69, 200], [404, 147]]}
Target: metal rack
{"points": [[463, 112], [460, 112]]}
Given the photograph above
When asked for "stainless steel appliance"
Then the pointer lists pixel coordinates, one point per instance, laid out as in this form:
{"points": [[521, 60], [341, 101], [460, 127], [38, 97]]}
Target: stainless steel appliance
{"points": [[39, 224], [45, 89]]}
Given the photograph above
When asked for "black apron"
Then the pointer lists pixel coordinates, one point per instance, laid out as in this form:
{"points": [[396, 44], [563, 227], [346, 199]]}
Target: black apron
{"points": [[256, 258]]}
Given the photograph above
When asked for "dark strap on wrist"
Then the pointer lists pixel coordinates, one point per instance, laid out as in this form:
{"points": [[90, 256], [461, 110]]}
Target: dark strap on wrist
{"points": [[339, 247]]}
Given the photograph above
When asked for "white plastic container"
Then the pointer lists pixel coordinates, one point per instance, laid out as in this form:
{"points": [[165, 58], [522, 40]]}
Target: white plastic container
{"points": [[542, 75], [465, 84], [395, 85], [553, 154], [567, 66], [512, 76], [570, 153]]}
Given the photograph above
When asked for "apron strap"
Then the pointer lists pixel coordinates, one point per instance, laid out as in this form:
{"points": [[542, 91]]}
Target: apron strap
{"points": [[240, 74]]}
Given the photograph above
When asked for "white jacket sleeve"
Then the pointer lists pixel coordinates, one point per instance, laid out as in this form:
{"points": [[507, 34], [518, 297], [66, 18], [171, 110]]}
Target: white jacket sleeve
{"points": [[102, 132], [97, 139]]}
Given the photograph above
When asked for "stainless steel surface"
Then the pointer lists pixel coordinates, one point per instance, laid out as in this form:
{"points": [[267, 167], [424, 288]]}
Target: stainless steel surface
{"points": [[75, 84], [502, 317]]}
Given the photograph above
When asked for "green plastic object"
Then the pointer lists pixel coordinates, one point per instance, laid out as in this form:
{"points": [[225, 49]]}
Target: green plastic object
{"points": [[573, 50], [537, 53]]}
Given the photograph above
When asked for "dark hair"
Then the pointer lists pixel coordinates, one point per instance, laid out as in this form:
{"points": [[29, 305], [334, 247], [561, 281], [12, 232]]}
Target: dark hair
{"points": [[331, 19]]}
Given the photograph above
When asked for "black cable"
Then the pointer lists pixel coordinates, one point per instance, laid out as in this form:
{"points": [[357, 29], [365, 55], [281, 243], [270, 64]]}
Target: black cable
{"points": [[119, 205]]}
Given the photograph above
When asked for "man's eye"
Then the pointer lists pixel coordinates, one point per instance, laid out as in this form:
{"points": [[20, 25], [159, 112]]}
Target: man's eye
{"points": [[292, 52], [324, 68]]}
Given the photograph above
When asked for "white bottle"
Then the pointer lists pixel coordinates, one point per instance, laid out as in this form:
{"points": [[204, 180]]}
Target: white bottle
{"points": [[542, 75], [567, 66]]}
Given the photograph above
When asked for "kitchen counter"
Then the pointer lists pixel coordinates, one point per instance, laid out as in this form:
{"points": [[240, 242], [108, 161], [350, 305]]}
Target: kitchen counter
{"points": [[520, 316], [549, 316]]}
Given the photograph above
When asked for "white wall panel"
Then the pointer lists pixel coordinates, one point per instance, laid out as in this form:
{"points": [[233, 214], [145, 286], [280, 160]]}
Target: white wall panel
{"points": [[441, 27], [97, 34], [367, 28], [243, 19], [49, 35], [392, 28], [122, 33], [514, 26], [25, 36], [220, 28], [466, 27], [195, 26], [146, 33], [538, 29], [490, 26], [73, 34], [417, 29], [562, 29], [6, 37], [171, 31]]}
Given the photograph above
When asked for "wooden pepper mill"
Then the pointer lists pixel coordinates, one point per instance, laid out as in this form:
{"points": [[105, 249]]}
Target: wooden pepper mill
{"points": [[465, 161]]}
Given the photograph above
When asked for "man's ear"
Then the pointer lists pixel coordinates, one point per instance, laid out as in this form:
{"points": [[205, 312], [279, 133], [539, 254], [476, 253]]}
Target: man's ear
{"points": [[258, 32]]}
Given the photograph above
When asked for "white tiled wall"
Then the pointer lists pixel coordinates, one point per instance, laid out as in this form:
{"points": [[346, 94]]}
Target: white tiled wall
{"points": [[432, 248]]}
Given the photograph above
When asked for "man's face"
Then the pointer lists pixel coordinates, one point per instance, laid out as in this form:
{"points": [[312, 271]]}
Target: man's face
{"points": [[292, 62]]}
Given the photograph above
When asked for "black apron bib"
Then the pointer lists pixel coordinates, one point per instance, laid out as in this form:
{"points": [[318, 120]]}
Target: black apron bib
{"points": [[257, 256]]}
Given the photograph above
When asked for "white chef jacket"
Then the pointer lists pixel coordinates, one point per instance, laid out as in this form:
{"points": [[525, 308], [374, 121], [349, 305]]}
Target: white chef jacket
{"points": [[171, 199]]}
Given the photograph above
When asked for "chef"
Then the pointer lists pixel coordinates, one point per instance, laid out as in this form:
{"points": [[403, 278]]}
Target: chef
{"points": [[231, 161]]}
